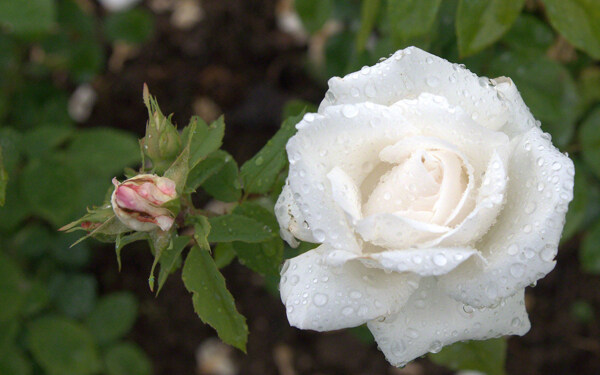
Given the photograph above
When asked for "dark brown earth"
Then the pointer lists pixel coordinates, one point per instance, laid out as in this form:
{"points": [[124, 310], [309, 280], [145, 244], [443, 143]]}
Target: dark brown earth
{"points": [[237, 58]]}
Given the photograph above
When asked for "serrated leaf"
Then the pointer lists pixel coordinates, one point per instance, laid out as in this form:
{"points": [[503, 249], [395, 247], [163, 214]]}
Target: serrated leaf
{"points": [[212, 301], [170, 259], [224, 185], [411, 18], [577, 21], [127, 359], [63, 346], [259, 173], [113, 316], [205, 169], [485, 356], [204, 139], [479, 23], [159, 243], [548, 89], [234, 227]]}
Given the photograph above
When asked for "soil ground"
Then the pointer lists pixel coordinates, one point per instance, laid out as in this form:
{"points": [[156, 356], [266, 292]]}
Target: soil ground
{"points": [[238, 59]]}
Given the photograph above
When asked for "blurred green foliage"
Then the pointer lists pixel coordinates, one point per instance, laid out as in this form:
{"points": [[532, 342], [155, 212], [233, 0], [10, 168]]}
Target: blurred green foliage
{"points": [[53, 319]]}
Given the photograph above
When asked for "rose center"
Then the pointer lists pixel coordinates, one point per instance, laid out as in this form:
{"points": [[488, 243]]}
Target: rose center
{"points": [[426, 186]]}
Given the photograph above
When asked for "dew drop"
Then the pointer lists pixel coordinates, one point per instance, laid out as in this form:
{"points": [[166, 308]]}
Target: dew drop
{"points": [[355, 294], [432, 81], [530, 207], [517, 270], [294, 280], [347, 310], [440, 260], [349, 111], [319, 235], [435, 347], [320, 299]]}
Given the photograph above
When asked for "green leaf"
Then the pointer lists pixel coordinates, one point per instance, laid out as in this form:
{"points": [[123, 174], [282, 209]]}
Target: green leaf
{"points": [[368, 15], [170, 259], [577, 21], [43, 139], [212, 301], [589, 136], [485, 356], [63, 346], [529, 35], [296, 107], [10, 143], [112, 317], [26, 17], [3, 180], [259, 173], [411, 18], [159, 243], [122, 241], [8, 334], [16, 207], [52, 189], [547, 88], [204, 139], [134, 26], [127, 359], [577, 208], [265, 257], [589, 84], [479, 23], [223, 254], [582, 312], [234, 227], [589, 251], [12, 288], [224, 185], [208, 167], [74, 295], [313, 13]]}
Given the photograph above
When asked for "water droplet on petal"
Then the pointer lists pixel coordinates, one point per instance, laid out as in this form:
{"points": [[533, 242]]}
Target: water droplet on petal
{"points": [[349, 111], [320, 299]]}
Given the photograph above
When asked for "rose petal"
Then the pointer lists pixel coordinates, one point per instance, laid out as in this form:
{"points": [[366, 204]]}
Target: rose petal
{"points": [[345, 193], [290, 219], [320, 297], [347, 137], [521, 246], [431, 320], [412, 71], [521, 120], [395, 231]]}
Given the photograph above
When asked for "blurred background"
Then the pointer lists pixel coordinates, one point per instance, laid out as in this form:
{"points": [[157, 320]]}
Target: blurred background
{"points": [[71, 76]]}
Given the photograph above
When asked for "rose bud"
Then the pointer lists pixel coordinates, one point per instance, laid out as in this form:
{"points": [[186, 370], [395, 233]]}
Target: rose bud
{"points": [[138, 202]]}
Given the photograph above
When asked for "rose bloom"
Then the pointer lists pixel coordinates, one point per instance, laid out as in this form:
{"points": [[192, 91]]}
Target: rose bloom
{"points": [[138, 201], [436, 199]]}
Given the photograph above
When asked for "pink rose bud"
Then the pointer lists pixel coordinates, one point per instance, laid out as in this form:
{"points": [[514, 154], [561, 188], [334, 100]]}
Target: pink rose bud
{"points": [[138, 202]]}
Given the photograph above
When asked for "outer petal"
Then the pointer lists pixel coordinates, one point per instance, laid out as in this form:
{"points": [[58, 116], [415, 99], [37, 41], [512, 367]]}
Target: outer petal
{"points": [[412, 71], [521, 119], [349, 137], [431, 320], [521, 246], [290, 219], [322, 298]]}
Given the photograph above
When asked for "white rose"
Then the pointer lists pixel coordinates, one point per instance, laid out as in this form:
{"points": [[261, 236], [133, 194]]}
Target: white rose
{"points": [[436, 199]]}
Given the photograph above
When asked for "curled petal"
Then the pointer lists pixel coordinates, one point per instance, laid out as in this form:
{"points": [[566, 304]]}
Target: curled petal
{"points": [[321, 297], [290, 218], [520, 247], [431, 320]]}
